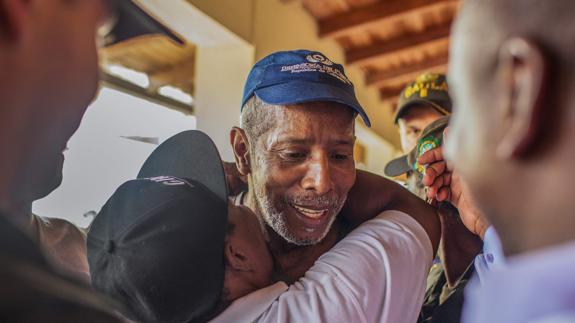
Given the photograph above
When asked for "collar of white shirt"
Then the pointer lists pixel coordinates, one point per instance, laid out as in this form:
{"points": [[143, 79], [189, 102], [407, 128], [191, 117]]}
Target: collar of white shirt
{"points": [[251, 306]]}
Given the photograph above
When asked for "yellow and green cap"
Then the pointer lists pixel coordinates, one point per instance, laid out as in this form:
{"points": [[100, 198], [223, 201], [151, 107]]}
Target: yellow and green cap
{"points": [[428, 89]]}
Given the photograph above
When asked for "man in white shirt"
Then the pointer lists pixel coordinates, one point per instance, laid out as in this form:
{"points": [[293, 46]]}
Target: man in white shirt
{"points": [[375, 274], [295, 150], [170, 250], [49, 75]]}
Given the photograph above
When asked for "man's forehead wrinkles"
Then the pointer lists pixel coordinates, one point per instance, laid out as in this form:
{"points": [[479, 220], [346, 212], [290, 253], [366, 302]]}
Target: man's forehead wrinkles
{"points": [[304, 140], [295, 140]]}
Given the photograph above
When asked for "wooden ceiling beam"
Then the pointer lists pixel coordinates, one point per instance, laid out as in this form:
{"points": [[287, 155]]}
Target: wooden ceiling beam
{"points": [[390, 93], [365, 55], [381, 77], [179, 75], [132, 89], [345, 22]]}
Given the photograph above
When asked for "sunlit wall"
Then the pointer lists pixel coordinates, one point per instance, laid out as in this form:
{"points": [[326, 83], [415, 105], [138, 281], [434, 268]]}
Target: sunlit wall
{"points": [[108, 149]]}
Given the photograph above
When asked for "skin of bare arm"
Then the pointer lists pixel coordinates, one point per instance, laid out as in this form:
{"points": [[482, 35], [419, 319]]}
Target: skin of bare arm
{"points": [[372, 194]]}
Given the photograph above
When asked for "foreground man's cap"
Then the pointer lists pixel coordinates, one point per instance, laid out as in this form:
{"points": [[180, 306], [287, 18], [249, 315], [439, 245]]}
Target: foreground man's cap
{"points": [[428, 89], [157, 246], [431, 138], [301, 76], [132, 20]]}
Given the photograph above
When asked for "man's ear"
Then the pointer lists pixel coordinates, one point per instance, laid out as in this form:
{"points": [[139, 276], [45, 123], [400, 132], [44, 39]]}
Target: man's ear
{"points": [[235, 258], [13, 18], [240, 145], [524, 72]]}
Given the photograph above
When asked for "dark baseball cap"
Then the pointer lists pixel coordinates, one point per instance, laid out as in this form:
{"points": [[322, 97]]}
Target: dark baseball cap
{"points": [[130, 20], [431, 137], [157, 245], [428, 89], [301, 76], [189, 154]]}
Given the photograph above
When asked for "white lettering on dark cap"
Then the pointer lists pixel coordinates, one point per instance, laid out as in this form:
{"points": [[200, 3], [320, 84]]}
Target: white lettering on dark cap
{"points": [[168, 180]]}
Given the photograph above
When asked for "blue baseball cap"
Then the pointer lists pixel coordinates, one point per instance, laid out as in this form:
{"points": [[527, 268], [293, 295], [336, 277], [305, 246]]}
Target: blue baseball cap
{"points": [[300, 76]]}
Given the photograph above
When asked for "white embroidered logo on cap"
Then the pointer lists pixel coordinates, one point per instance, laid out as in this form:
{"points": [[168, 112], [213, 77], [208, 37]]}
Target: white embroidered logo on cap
{"points": [[169, 181], [319, 64], [318, 58]]}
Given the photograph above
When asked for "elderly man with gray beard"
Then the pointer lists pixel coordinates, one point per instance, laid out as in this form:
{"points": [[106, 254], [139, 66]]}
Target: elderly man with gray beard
{"points": [[295, 150]]}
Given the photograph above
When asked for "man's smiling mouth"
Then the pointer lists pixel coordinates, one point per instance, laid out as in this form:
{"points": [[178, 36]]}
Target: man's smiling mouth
{"points": [[311, 213], [313, 218]]}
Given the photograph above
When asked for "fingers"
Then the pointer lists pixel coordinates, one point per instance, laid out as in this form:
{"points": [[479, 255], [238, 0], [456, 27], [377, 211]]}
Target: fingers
{"points": [[439, 189], [432, 156], [437, 177], [444, 194], [433, 171]]}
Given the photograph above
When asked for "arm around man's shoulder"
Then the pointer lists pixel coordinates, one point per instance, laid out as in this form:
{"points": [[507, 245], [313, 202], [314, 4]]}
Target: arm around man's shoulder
{"points": [[375, 274], [373, 194], [64, 244]]}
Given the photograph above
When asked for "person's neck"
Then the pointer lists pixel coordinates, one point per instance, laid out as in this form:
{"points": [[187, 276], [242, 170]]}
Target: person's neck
{"points": [[19, 213], [543, 216], [551, 232], [13, 152]]}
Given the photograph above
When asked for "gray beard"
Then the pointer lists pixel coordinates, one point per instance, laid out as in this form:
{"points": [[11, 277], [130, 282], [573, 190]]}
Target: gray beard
{"points": [[275, 219]]}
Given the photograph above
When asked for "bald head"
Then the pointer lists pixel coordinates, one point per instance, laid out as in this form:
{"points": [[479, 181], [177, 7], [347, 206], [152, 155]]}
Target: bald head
{"points": [[511, 80], [488, 23]]}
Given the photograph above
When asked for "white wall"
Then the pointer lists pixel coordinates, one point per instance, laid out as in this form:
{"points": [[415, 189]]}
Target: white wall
{"points": [[98, 159], [221, 73], [223, 62], [378, 151]]}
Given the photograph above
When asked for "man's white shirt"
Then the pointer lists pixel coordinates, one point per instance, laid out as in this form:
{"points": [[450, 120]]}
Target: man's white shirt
{"points": [[375, 274]]}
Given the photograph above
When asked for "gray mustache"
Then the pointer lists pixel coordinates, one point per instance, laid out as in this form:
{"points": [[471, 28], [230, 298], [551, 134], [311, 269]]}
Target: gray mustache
{"points": [[326, 201]]}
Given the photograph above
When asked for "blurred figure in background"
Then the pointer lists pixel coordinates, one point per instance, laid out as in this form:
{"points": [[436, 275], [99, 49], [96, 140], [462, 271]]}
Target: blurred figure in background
{"points": [[49, 75], [422, 102], [422, 115], [511, 143]]}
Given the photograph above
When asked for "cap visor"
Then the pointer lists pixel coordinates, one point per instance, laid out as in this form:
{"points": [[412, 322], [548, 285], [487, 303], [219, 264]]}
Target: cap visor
{"points": [[134, 21], [189, 154], [298, 92], [397, 167]]}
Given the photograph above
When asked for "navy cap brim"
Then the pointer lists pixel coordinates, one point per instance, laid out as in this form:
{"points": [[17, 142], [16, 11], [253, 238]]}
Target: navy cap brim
{"points": [[189, 154], [397, 167], [298, 92], [134, 21]]}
